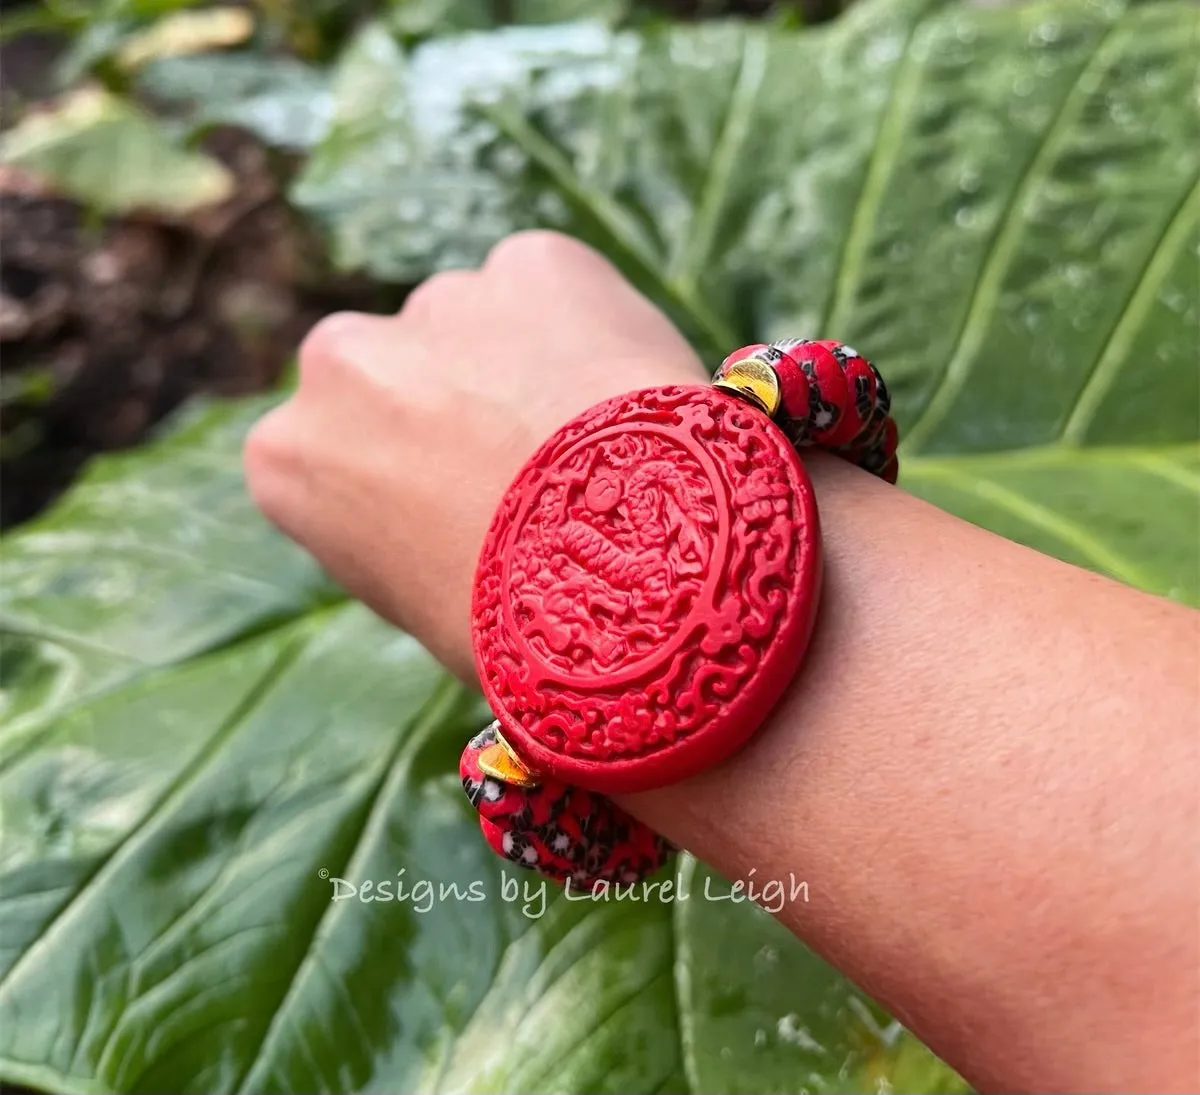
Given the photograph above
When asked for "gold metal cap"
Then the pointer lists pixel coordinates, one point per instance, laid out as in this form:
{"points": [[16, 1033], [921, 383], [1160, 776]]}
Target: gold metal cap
{"points": [[500, 762], [754, 381]]}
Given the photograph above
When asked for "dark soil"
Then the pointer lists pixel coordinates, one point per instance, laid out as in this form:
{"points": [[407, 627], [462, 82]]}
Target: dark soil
{"points": [[106, 327]]}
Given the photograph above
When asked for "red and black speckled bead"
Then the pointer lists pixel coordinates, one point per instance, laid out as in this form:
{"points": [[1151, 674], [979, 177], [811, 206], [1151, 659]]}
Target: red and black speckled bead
{"points": [[831, 398], [560, 831]]}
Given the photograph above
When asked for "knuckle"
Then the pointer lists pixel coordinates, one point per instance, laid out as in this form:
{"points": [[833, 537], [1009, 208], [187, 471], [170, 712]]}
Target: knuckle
{"points": [[444, 285], [534, 245], [326, 345]]}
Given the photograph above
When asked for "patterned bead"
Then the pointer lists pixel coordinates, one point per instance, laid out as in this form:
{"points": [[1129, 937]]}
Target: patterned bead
{"points": [[832, 398], [560, 831]]}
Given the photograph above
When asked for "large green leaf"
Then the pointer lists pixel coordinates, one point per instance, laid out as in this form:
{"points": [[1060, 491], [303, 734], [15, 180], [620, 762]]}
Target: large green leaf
{"points": [[279, 99], [999, 205]]}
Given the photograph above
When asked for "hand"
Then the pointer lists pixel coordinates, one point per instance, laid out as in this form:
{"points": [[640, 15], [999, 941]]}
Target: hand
{"points": [[390, 458]]}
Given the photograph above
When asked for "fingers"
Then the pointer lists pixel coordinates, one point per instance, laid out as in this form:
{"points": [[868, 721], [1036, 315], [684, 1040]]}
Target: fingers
{"points": [[542, 280], [535, 268]]}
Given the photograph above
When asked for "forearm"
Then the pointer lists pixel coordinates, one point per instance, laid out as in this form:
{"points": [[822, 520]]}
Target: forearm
{"points": [[982, 774]]}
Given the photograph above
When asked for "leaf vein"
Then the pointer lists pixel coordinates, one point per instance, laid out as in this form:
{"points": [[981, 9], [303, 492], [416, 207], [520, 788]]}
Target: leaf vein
{"points": [[70, 543], [179, 786], [447, 694], [866, 206], [18, 629], [1172, 473], [613, 219], [681, 972], [35, 725], [742, 100], [1001, 247], [1064, 530], [349, 1006], [1115, 353], [623, 1001], [1048, 456], [140, 1001]]}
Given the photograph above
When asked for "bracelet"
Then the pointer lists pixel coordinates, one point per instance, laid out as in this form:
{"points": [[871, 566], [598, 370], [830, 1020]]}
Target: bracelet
{"points": [[646, 592]]}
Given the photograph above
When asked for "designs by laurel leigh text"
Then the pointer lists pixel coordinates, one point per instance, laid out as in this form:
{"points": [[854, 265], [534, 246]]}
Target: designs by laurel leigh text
{"points": [[534, 894]]}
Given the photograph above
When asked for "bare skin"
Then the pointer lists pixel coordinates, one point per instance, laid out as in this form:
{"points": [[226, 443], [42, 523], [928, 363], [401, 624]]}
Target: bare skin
{"points": [[987, 769]]}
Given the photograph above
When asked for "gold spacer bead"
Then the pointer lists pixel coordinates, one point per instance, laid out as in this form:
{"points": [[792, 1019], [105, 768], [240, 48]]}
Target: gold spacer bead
{"points": [[754, 381], [500, 762]]}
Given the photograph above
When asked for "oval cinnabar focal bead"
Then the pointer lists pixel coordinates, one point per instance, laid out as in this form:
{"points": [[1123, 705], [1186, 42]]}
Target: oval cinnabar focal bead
{"points": [[647, 589]]}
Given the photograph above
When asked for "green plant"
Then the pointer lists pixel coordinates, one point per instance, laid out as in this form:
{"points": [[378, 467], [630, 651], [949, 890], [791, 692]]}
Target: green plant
{"points": [[998, 204], [113, 157]]}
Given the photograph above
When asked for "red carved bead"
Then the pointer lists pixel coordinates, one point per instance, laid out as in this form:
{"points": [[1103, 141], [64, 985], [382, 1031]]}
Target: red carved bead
{"points": [[647, 589]]}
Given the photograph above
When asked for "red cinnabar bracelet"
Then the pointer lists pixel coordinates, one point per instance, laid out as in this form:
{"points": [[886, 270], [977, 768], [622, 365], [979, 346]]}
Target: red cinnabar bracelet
{"points": [[646, 592]]}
